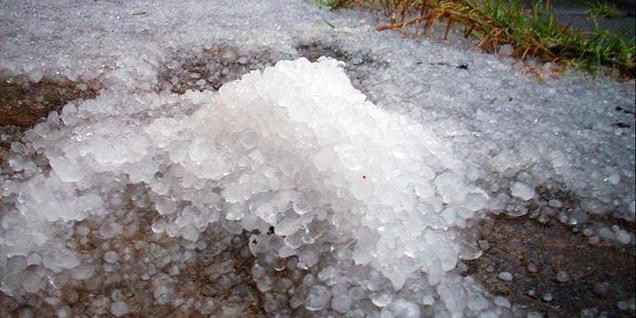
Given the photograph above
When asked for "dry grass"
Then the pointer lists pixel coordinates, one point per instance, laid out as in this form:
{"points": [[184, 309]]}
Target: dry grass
{"points": [[531, 32]]}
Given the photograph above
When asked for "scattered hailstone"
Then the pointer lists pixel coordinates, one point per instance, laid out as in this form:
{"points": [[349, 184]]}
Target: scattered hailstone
{"points": [[502, 302], [484, 245], [111, 257], [318, 298], [341, 303], [64, 312], [119, 308], [594, 240], [109, 230], [601, 289], [623, 236], [382, 300], [477, 302], [532, 267], [428, 300], [505, 276], [562, 276], [628, 304], [82, 272], [83, 230], [33, 283], [33, 259], [190, 232], [403, 308], [555, 203], [522, 191], [547, 297], [588, 312]]}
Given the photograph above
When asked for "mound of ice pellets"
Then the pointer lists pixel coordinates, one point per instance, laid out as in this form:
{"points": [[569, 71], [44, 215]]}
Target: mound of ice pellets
{"points": [[293, 154]]}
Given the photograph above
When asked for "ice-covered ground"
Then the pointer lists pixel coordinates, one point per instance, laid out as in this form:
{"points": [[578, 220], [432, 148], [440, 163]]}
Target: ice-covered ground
{"points": [[347, 185]]}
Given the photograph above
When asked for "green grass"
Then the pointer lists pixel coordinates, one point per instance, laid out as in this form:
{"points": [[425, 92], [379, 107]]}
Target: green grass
{"points": [[534, 32], [539, 33], [604, 9]]}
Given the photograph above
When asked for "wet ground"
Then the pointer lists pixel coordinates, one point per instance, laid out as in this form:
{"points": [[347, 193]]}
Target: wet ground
{"points": [[598, 277], [23, 103]]}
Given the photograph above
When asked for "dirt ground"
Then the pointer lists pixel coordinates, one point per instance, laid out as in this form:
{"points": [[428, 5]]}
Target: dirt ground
{"points": [[23, 104], [534, 252]]}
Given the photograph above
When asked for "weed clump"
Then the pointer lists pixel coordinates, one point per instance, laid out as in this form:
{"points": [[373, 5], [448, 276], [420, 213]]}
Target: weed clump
{"points": [[533, 32], [603, 9]]}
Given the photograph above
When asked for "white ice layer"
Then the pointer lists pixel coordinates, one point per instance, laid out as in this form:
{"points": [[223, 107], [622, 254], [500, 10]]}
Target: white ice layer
{"points": [[294, 147], [360, 193], [499, 122]]}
